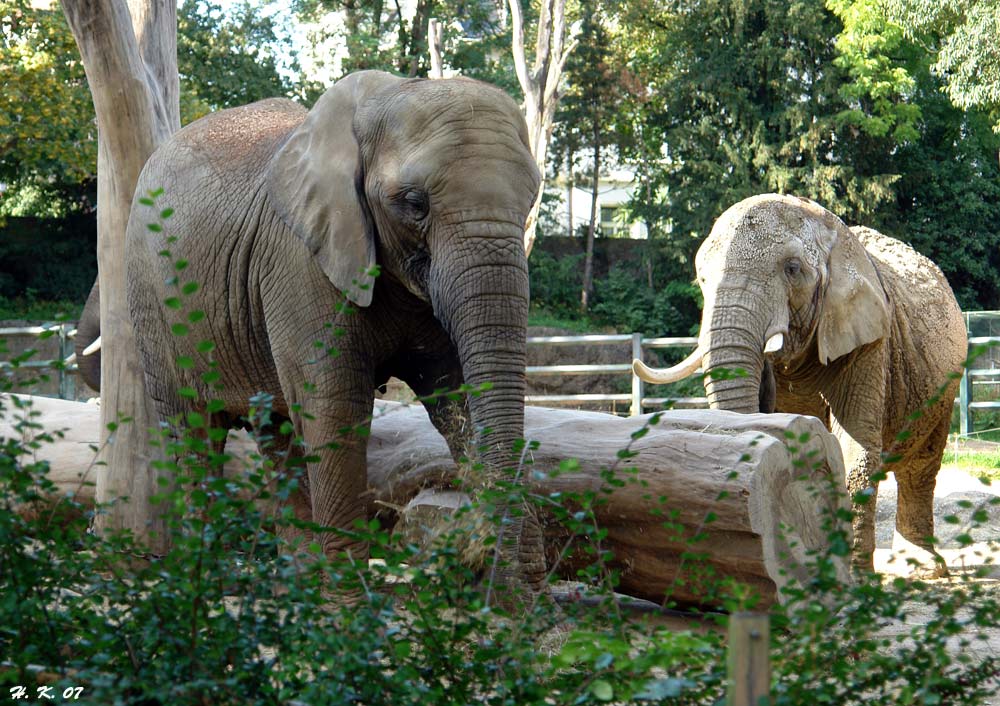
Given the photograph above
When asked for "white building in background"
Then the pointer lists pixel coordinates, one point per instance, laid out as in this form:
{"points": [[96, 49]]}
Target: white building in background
{"points": [[613, 192]]}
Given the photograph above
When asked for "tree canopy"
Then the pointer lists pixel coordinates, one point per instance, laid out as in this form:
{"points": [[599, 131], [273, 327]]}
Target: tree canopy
{"points": [[48, 158], [884, 111], [48, 139]]}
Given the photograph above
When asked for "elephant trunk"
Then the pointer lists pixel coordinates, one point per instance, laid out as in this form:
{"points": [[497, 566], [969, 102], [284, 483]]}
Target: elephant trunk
{"points": [[485, 310], [734, 358], [488, 325]]}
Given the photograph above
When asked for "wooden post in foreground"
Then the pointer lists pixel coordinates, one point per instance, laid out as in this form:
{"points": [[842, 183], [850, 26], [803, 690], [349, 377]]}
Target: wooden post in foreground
{"points": [[749, 665]]}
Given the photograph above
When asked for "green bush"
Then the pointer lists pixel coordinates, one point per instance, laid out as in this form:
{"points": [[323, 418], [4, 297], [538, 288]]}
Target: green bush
{"points": [[233, 614], [622, 299], [556, 282], [629, 305], [29, 308]]}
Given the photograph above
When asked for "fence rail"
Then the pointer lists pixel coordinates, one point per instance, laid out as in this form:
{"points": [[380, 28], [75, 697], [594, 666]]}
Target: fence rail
{"points": [[971, 377], [636, 399], [66, 371]]}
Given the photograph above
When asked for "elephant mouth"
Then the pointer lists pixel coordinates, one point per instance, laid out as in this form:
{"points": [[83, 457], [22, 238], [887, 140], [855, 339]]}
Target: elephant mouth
{"points": [[416, 273], [767, 392]]}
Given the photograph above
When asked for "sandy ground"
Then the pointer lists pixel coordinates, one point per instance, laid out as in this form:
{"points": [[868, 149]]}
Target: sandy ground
{"points": [[954, 488]]}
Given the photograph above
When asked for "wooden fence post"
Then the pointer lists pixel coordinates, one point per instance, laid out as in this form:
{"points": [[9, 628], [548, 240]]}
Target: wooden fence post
{"points": [[749, 663]]}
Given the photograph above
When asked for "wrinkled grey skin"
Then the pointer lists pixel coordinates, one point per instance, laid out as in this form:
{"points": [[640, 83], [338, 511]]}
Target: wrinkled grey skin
{"points": [[871, 332], [88, 328], [278, 214]]}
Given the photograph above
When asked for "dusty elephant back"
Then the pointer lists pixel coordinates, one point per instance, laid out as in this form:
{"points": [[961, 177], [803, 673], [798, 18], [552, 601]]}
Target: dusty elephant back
{"points": [[928, 329]]}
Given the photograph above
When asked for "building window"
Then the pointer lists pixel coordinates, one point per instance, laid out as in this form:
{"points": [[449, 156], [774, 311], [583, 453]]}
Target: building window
{"points": [[610, 226]]}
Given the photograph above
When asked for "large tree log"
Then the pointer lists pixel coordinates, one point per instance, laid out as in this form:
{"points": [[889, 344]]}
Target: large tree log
{"points": [[761, 491]]}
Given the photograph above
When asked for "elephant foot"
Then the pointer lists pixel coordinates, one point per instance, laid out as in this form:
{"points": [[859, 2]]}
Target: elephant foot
{"points": [[517, 577], [531, 552], [937, 570], [921, 560]]}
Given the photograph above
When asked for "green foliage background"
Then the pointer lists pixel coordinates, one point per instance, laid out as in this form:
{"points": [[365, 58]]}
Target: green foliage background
{"points": [[884, 111]]}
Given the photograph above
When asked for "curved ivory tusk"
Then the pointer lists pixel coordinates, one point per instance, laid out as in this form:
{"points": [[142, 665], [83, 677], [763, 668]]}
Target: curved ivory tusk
{"points": [[93, 347], [660, 376], [775, 343]]}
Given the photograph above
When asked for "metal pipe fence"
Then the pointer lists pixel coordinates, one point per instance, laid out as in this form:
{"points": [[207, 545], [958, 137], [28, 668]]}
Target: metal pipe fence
{"points": [[976, 376], [636, 398], [638, 401], [66, 372]]}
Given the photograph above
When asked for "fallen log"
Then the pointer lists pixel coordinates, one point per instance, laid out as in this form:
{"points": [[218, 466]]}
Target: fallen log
{"points": [[751, 496]]}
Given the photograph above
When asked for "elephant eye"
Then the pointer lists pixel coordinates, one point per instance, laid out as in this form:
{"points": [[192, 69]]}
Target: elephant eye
{"points": [[415, 203], [792, 268]]}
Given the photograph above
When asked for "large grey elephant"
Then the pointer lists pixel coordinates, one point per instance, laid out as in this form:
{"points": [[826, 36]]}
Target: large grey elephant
{"points": [[841, 323], [283, 216]]}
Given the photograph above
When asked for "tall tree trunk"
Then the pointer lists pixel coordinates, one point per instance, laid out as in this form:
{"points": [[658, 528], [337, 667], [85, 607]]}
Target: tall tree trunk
{"points": [[435, 38], [540, 84], [418, 35], [130, 56], [569, 191], [588, 260]]}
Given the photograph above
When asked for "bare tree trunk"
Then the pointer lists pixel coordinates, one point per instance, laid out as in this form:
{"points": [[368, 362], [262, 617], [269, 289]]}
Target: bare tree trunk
{"points": [[434, 40], [588, 260], [419, 34], [569, 191], [540, 85], [130, 56]]}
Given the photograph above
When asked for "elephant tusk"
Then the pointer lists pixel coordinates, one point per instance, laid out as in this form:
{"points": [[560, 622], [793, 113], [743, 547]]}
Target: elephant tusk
{"points": [[660, 376], [93, 347], [775, 343]]}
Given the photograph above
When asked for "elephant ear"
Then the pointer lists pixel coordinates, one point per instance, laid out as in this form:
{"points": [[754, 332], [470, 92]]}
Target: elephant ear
{"points": [[314, 183], [855, 306]]}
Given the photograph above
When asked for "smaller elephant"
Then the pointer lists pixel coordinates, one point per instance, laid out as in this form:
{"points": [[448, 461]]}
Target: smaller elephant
{"points": [[841, 323]]}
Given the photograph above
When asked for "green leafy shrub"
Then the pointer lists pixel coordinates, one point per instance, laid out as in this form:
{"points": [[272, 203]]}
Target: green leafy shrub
{"points": [[627, 303], [235, 614], [232, 614], [556, 282]]}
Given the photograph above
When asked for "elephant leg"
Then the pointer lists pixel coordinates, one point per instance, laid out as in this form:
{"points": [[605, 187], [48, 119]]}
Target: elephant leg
{"points": [[856, 396], [862, 462], [522, 532], [335, 433], [915, 500], [448, 415], [290, 505]]}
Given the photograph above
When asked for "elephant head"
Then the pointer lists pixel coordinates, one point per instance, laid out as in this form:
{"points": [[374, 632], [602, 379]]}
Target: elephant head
{"points": [[785, 283]]}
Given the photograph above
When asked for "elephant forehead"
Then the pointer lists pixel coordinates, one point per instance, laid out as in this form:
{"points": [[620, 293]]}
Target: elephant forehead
{"points": [[447, 106], [747, 238], [740, 244]]}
